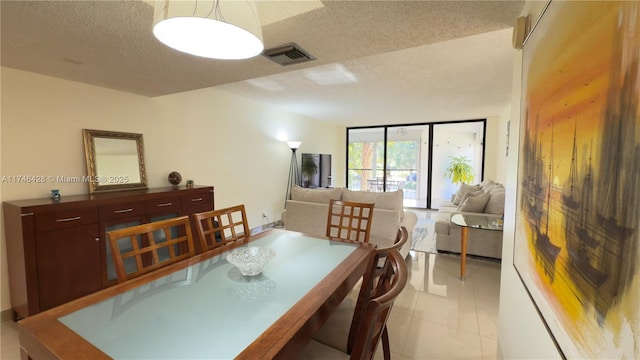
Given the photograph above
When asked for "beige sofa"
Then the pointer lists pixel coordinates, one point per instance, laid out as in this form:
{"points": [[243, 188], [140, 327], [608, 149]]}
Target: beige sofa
{"points": [[484, 198], [308, 208]]}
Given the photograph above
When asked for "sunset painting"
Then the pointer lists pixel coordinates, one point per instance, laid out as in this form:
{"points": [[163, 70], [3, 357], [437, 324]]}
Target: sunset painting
{"points": [[577, 218]]}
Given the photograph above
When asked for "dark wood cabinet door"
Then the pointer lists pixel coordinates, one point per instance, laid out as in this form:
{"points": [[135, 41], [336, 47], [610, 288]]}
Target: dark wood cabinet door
{"points": [[196, 202], [106, 259], [67, 264]]}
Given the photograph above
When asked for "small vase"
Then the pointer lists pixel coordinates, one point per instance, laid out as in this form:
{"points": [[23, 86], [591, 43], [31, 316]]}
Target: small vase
{"points": [[55, 195]]}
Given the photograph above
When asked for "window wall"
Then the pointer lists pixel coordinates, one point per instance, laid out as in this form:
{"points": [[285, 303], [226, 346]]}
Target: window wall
{"points": [[413, 158]]}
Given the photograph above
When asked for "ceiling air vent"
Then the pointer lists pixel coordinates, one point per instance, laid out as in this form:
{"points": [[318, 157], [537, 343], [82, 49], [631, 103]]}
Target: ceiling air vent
{"points": [[288, 54]]}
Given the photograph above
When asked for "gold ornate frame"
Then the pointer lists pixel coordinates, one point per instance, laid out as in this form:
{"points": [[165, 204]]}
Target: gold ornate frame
{"points": [[102, 182]]}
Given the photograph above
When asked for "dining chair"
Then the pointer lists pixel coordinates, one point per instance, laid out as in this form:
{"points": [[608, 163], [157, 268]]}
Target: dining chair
{"points": [[340, 330], [349, 220], [393, 279], [220, 227], [143, 248]]}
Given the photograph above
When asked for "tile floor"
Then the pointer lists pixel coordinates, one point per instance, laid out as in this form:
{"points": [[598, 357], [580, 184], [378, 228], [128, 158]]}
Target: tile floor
{"points": [[437, 316]]}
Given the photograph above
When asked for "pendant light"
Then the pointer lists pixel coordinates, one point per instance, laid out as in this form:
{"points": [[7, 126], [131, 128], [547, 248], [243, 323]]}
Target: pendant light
{"points": [[217, 29]]}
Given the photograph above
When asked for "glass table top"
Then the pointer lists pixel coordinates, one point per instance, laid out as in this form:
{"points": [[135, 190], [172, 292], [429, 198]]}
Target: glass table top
{"points": [[484, 221], [208, 310]]}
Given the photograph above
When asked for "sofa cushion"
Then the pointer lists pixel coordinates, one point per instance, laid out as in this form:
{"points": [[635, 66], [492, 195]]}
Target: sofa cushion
{"points": [[391, 200], [464, 188], [495, 204], [492, 187], [442, 223], [322, 196], [474, 204], [486, 182], [489, 187]]}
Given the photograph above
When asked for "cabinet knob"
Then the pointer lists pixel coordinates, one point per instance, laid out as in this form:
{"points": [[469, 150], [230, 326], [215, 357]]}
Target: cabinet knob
{"points": [[97, 239]]}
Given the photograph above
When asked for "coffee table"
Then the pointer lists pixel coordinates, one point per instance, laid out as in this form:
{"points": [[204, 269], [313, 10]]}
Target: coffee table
{"points": [[482, 222]]}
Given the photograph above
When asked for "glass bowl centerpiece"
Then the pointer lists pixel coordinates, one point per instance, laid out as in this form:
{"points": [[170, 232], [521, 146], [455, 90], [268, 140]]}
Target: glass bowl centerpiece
{"points": [[250, 260]]}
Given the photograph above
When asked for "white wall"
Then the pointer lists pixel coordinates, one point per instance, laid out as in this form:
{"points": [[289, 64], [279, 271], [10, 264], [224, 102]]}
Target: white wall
{"points": [[494, 165], [209, 136], [521, 332]]}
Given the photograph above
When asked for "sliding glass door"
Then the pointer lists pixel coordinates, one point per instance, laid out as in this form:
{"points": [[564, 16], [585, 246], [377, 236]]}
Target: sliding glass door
{"points": [[457, 142], [407, 163], [365, 165], [413, 158]]}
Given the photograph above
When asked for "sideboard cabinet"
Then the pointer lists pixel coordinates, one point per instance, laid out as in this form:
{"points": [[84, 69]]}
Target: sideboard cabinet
{"points": [[58, 251]]}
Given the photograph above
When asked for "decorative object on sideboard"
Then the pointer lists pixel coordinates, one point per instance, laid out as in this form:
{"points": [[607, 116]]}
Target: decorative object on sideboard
{"points": [[55, 195], [217, 29], [174, 178], [114, 160], [189, 184], [294, 173]]}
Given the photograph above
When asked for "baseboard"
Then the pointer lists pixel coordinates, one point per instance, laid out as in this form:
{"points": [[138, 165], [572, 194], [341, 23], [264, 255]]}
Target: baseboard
{"points": [[272, 225]]}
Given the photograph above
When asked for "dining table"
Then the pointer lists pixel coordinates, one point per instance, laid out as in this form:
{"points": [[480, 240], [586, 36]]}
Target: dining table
{"points": [[204, 308]]}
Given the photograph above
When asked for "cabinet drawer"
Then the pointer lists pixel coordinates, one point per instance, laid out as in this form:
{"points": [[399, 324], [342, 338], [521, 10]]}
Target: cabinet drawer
{"points": [[202, 200], [122, 211], [65, 219], [164, 205]]}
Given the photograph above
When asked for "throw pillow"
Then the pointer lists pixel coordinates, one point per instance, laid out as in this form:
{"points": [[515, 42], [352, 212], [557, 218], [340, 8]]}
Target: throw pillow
{"points": [[470, 194], [474, 204], [495, 205], [392, 200], [322, 196], [464, 188]]}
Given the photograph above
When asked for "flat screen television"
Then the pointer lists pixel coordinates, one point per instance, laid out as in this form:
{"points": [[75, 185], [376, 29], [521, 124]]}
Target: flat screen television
{"points": [[316, 170]]}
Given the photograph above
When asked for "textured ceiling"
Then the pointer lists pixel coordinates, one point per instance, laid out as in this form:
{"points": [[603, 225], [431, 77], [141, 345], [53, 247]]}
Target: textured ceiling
{"points": [[377, 61]]}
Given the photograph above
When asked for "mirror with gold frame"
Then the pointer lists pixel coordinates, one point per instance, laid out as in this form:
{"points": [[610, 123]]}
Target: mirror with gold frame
{"points": [[115, 160]]}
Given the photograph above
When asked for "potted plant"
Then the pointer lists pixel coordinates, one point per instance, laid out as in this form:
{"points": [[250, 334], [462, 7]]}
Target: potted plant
{"points": [[459, 170], [309, 168]]}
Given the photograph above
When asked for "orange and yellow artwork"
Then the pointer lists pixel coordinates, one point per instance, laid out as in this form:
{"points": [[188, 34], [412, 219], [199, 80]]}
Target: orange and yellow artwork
{"points": [[577, 221]]}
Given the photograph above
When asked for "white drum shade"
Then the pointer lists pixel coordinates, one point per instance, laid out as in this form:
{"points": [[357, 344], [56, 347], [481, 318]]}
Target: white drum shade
{"points": [[209, 28]]}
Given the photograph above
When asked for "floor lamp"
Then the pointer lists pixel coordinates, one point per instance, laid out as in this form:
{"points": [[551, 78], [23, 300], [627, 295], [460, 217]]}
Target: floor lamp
{"points": [[294, 174]]}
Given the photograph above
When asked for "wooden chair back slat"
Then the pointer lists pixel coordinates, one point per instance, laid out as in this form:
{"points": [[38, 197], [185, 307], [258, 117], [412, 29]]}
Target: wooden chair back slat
{"points": [[217, 228], [349, 220], [147, 252]]}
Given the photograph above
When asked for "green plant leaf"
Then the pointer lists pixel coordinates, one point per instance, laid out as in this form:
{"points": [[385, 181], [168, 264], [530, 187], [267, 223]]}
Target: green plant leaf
{"points": [[459, 170]]}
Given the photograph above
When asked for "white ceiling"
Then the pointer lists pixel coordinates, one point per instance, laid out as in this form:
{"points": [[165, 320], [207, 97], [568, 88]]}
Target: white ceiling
{"points": [[378, 62]]}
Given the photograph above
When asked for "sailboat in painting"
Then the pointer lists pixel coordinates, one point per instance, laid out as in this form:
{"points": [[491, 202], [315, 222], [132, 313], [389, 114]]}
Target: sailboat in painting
{"points": [[536, 204], [569, 199], [547, 252], [532, 183], [584, 245]]}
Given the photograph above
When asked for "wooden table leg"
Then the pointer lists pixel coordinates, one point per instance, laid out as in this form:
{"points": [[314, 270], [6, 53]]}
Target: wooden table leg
{"points": [[464, 236]]}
